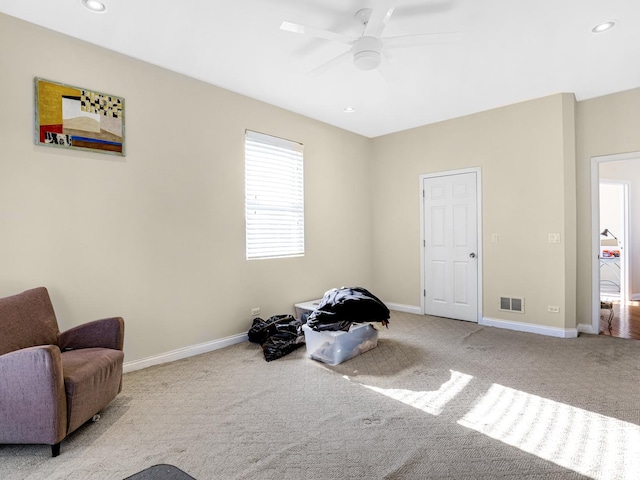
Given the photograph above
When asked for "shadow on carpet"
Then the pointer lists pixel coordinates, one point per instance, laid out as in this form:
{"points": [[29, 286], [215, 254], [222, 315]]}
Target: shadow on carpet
{"points": [[161, 472]]}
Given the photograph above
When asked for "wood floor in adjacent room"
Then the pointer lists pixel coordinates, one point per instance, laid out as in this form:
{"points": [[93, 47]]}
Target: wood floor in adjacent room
{"points": [[625, 323]]}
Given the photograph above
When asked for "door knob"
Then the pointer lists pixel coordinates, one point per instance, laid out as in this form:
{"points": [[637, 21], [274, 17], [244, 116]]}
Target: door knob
{"points": [[472, 255]]}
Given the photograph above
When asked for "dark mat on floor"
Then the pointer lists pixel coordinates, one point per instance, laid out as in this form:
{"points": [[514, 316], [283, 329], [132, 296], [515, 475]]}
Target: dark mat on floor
{"points": [[161, 472]]}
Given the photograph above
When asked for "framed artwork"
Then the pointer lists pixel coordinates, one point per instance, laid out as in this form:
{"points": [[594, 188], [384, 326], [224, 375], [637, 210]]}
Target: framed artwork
{"points": [[78, 118]]}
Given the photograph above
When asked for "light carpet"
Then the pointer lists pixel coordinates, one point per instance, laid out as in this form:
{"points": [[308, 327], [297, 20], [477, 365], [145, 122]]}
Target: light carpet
{"points": [[437, 399]]}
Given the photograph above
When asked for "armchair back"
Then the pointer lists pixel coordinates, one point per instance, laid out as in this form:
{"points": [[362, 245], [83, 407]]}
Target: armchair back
{"points": [[27, 320]]}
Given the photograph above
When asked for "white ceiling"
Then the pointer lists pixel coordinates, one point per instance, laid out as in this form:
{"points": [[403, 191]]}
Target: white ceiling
{"points": [[508, 51]]}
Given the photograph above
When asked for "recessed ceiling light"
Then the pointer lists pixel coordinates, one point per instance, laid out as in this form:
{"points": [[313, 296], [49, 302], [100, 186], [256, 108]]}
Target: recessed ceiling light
{"points": [[94, 5], [349, 109], [603, 27]]}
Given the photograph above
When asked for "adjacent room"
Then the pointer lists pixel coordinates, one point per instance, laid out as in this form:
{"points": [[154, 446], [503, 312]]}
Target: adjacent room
{"points": [[617, 182], [475, 165]]}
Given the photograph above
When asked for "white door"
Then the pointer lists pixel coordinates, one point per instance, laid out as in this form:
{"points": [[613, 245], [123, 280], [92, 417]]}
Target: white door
{"points": [[451, 246]]}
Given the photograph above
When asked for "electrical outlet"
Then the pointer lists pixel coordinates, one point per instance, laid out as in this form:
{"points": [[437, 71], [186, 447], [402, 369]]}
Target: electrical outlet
{"points": [[255, 312], [554, 238], [494, 238], [553, 309]]}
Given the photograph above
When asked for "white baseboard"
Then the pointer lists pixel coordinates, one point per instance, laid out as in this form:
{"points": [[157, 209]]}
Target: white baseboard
{"points": [[398, 307], [586, 328], [530, 327], [185, 352], [635, 296]]}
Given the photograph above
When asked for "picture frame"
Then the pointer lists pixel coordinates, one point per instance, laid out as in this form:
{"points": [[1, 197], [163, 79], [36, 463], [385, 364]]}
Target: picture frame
{"points": [[78, 118]]}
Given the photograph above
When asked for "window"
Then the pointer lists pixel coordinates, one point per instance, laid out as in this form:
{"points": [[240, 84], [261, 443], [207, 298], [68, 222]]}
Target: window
{"points": [[274, 197]]}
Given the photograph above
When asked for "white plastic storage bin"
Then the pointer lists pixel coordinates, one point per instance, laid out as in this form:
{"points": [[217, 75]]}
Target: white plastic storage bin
{"points": [[306, 307], [333, 348]]}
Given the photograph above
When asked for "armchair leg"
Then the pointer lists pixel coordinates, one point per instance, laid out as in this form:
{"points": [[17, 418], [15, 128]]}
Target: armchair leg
{"points": [[55, 450]]}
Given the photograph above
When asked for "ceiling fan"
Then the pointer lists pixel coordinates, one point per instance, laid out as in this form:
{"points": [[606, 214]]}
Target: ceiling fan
{"points": [[369, 49]]}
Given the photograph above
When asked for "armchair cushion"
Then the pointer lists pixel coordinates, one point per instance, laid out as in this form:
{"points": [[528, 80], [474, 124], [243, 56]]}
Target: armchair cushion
{"points": [[83, 370]]}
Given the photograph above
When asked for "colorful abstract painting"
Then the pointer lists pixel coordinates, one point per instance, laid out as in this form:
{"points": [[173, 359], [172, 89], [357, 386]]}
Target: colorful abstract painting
{"points": [[77, 118]]}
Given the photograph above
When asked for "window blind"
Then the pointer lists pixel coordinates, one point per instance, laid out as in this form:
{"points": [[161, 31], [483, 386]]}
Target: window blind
{"points": [[274, 196]]}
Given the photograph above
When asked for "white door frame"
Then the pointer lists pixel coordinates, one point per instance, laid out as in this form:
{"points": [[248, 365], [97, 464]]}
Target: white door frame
{"points": [[423, 177], [595, 234]]}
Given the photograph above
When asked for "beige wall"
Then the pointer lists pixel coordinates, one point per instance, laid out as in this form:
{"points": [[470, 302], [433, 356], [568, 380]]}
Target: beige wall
{"points": [[158, 236], [526, 153], [604, 126]]}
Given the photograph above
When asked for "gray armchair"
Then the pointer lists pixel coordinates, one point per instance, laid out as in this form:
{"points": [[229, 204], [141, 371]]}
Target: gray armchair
{"points": [[52, 382]]}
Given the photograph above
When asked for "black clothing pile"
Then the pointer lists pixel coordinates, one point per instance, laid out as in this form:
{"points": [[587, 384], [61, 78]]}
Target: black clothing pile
{"points": [[278, 335], [341, 307]]}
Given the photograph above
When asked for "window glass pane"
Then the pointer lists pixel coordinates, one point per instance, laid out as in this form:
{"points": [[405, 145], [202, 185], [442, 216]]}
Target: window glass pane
{"points": [[274, 196]]}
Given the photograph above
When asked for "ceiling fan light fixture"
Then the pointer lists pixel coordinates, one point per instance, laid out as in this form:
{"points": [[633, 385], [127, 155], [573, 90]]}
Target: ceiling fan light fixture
{"points": [[367, 53], [367, 60]]}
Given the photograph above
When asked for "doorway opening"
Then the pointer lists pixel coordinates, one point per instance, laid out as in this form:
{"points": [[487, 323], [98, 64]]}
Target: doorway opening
{"points": [[615, 272], [614, 208]]}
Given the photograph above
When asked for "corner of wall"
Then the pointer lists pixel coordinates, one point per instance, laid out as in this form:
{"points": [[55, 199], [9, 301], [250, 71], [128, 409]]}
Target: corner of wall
{"points": [[570, 207]]}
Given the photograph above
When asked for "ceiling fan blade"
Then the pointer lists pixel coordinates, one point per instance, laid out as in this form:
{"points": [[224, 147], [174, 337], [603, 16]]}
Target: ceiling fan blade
{"points": [[329, 65], [421, 39], [316, 32], [379, 18], [385, 67]]}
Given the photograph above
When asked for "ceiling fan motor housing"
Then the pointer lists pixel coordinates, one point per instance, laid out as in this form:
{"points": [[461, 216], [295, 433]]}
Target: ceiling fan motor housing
{"points": [[367, 53]]}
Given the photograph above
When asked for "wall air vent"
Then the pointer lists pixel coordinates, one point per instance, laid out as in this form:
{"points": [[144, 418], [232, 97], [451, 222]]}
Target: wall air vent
{"points": [[512, 304]]}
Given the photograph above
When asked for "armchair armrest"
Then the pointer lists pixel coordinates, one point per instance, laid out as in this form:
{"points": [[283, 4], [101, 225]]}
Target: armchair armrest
{"points": [[105, 333], [33, 402]]}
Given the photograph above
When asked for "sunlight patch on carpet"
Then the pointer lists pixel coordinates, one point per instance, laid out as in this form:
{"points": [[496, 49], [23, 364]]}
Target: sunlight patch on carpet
{"points": [[432, 402], [585, 442]]}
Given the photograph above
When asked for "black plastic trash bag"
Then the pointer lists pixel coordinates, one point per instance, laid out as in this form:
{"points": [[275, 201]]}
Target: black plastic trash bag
{"points": [[261, 329], [340, 307], [278, 335]]}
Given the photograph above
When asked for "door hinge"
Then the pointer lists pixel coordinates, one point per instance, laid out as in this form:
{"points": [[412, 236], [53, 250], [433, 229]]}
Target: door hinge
{"points": [[424, 293]]}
